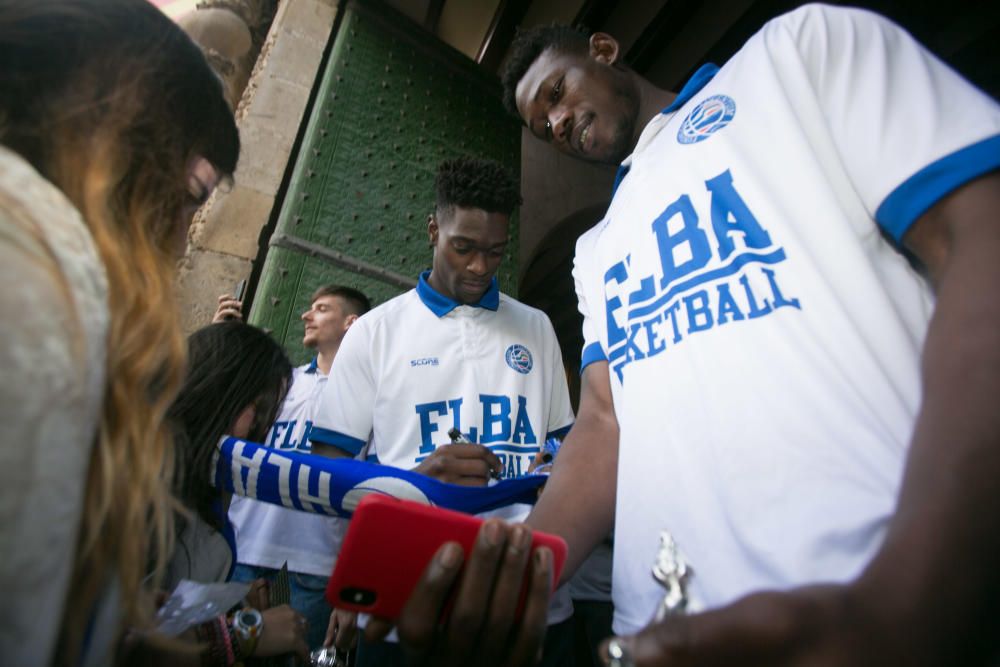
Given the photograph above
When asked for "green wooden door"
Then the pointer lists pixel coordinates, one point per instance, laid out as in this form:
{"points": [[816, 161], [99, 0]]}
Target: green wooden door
{"points": [[393, 102]]}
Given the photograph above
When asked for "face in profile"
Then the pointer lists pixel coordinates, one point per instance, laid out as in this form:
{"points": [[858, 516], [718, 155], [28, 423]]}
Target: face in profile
{"points": [[326, 322], [469, 244], [581, 103]]}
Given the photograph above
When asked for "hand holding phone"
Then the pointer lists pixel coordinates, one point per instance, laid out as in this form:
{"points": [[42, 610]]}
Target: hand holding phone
{"points": [[390, 542], [496, 588], [231, 305]]}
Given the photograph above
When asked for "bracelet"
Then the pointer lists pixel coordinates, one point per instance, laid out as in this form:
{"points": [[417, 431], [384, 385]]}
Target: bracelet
{"points": [[224, 632], [234, 641], [216, 651]]}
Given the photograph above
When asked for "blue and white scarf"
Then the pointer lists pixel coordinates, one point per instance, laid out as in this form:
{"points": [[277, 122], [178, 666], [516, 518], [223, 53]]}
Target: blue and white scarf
{"points": [[334, 487]]}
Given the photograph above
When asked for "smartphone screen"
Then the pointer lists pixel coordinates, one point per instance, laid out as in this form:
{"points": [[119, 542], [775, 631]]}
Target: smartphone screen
{"points": [[241, 290]]}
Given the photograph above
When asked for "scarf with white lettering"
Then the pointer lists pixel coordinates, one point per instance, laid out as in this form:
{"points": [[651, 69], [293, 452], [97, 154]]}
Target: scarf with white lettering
{"points": [[334, 487]]}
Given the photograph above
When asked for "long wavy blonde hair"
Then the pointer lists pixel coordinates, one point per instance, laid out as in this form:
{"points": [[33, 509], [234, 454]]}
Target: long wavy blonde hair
{"points": [[111, 102]]}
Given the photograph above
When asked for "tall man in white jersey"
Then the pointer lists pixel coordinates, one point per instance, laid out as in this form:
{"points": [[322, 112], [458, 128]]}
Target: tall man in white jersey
{"points": [[267, 536], [453, 353], [812, 416]]}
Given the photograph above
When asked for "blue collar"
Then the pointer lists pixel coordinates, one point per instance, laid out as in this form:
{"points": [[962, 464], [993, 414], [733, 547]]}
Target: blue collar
{"points": [[690, 89], [313, 366], [693, 85], [441, 305]]}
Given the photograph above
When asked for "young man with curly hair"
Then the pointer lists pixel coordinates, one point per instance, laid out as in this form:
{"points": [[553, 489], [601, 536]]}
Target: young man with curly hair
{"points": [[792, 343], [453, 353]]}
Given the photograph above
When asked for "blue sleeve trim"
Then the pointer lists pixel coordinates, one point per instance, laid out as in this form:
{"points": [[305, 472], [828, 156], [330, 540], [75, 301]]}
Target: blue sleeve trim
{"points": [[592, 353], [922, 190], [559, 432], [335, 439]]}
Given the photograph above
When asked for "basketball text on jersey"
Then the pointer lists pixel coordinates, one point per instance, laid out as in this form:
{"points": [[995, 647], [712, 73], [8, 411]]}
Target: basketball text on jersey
{"points": [[288, 435], [717, 266], [506, 429]]}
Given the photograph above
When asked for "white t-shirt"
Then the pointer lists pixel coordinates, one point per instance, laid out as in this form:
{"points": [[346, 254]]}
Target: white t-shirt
{"points": [[763, 336], [420, 364], [268, 535]]}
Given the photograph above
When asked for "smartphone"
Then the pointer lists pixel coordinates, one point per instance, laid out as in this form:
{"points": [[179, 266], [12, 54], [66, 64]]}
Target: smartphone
{"points": [[388, 545], [241, 290]]}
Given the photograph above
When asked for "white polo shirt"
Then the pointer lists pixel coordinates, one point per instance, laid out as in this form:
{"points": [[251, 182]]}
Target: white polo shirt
{"points": [[421, 363], [268, 535], [763, 335]]}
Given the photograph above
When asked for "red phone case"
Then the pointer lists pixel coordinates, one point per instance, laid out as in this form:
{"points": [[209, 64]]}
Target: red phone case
{"points": [[388, 545]]}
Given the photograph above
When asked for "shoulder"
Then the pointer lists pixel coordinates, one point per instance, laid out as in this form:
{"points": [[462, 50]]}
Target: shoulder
{"points": [[523, 315], [390, 311], [510, 305], [61, 299], [814, 24]]}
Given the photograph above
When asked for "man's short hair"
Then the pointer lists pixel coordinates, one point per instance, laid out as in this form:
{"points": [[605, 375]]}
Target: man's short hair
{"points": [[469, 182], [528, 45], [357, 303]]}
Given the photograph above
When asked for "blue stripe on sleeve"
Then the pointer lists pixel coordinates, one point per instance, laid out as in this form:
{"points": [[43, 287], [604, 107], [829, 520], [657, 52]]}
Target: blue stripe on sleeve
{"points": [[922, 190], [336, 439], [592, 353]]}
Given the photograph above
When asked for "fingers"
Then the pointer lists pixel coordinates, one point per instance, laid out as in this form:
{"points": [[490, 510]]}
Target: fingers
{"points": [[418, 621], [331, 629], [347, 629], [530, 634], [466, 464], [228, 309], [761, 629], [476, 588], [507, 591], [258, 596]]}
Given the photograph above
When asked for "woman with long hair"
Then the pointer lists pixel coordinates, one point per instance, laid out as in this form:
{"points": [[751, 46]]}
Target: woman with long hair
{"points": [[237, 379], [113, 130]]}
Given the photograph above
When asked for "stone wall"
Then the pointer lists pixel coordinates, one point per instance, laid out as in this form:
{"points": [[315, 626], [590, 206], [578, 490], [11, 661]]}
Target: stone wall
{"points": [[224, 238]]}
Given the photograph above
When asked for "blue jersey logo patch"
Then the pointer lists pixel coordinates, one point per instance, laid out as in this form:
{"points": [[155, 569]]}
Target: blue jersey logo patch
{"points": [[519, 358], [711, 115]]}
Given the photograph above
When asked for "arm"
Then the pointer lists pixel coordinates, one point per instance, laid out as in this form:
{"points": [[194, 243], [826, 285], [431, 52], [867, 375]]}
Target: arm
{"points": [[589, 455], [926, 597], [329, 451], [947, 516]]}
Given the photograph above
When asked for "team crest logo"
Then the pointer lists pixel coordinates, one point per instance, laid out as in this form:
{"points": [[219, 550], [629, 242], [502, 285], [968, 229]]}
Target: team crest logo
{"points": [[519, 358], [711, 115]]}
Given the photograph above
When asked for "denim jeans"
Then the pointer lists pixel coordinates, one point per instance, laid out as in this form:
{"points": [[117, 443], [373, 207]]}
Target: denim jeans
{"points": [[307, 597]]}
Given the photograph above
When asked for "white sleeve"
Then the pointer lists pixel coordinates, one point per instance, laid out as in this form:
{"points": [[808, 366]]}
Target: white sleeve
{"points": [[344, 414], [560, 411], [908, 129], [592, 348]]}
